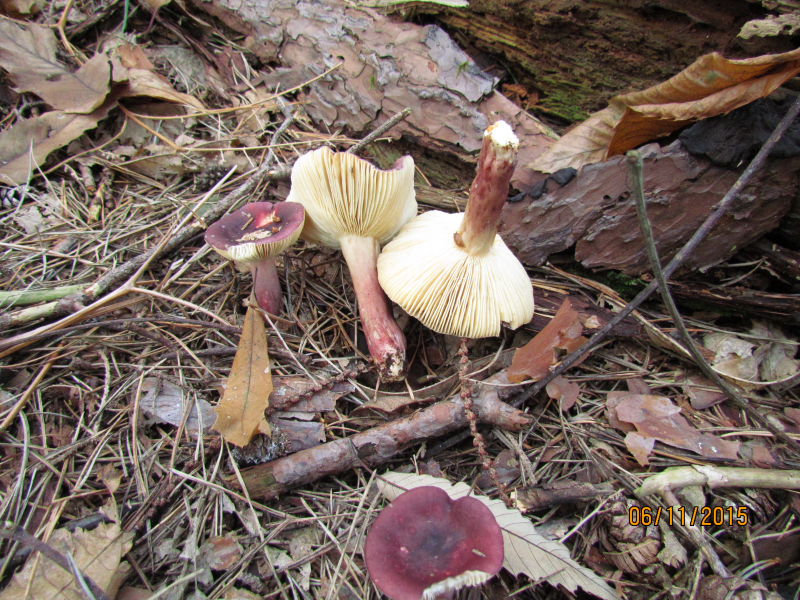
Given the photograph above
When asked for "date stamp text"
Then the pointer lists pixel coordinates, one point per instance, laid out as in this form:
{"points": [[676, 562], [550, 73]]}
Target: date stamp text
{"points": [[702, 516]]}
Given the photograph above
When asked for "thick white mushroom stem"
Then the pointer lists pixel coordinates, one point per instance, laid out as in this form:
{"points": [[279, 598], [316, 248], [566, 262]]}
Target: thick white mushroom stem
{"points": [[267, 286], [385, 340], [489, 189]]}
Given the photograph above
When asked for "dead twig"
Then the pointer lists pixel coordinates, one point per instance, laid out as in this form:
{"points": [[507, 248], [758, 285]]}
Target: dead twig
{"points": [[676, 261], [376, 446], [637, 171]]}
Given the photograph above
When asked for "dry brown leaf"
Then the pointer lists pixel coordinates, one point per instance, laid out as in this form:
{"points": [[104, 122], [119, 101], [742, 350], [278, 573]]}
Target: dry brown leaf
{"points": [[154, 5], [526, 550], [702, 392], [565, 391], [98, 554], [710, 86], [240, 413], [534, 359], [136, 74], [658, 418], [25, 146], [27, 52], [21, 7], [640, 447]]}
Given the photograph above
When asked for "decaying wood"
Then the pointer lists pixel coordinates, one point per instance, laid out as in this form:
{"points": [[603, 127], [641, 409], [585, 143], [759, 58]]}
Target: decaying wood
{"points": [[384, 66], [596, 213], [572, 56], [375, 446], [560, 492], [781, 307]]}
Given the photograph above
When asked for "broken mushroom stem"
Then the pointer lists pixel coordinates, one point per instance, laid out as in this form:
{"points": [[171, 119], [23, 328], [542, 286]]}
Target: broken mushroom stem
{"points": [[489, 189], [385, 340]]}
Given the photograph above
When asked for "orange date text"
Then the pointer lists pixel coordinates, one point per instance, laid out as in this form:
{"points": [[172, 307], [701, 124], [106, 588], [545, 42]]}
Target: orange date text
{"points": [[702, 516]]}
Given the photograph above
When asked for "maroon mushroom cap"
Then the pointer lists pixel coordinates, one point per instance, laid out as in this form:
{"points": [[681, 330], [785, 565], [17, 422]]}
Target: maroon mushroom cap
{"points": [[424, 540], [257, 230]]}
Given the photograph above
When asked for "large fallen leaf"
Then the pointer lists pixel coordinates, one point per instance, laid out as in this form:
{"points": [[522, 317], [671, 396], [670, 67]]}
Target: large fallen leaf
{"points": [[97, 553], [562, 333], [25, 146], [240, 413], [710, 86], [658, 418], [28, 53], [526, 551]]}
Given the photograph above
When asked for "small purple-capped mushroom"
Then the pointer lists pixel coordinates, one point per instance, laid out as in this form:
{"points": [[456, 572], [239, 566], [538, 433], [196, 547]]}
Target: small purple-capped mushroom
{"points": [[252, 236], [425, 545]]}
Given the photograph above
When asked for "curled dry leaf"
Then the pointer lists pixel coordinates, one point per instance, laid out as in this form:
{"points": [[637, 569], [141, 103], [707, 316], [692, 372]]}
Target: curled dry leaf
{"points": [[28, 53], [562, 333], [240, 413], [710, 86], [526, 550], [658, 418], [136, 73], [21, 7], [25, 146]]}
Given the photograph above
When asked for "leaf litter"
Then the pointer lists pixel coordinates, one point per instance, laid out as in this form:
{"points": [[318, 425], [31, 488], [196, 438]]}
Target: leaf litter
{"points": [[78, 440]]}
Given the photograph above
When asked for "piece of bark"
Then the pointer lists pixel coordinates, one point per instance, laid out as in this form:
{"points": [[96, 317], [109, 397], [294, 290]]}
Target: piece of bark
{"points": [[596, 212], [561, 492], [386, 66], [376, 446]]}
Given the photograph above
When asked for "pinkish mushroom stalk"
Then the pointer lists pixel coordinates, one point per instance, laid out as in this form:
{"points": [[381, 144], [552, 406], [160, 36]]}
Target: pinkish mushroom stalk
{"points": [[352, 205], [385, 340], [252, 236], [267, 286], [489, 189]]}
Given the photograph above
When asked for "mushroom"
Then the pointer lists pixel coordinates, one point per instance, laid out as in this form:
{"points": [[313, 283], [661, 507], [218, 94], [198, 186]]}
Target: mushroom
{"points": [[427, 545], [453, 272], [252, 236], [355, 206]]}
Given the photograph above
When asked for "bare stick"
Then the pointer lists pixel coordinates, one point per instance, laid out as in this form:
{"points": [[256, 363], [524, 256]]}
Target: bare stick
{"points": [[378, 445], [382, 128], [677, 260], [637, 171], [18, 534]]}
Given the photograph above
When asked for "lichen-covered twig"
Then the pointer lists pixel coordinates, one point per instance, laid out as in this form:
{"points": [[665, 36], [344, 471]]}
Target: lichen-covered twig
{"points": [[675, 478]]}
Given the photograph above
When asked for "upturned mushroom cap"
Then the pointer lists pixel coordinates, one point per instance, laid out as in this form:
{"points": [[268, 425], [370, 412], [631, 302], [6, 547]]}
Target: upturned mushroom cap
{"points": [[346, 195], [256, 231], [425, 544], [452, 271], [449, 290]]}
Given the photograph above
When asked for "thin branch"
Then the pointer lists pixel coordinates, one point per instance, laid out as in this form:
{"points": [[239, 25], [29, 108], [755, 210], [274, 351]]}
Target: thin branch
{"points": [[637, 171], [381, 129]]}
